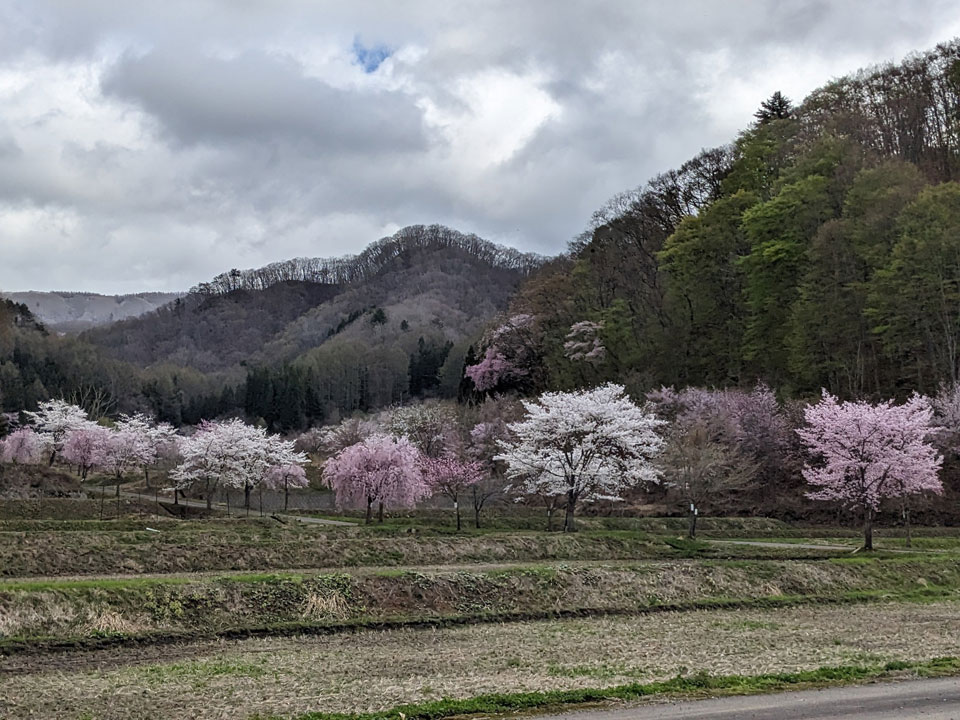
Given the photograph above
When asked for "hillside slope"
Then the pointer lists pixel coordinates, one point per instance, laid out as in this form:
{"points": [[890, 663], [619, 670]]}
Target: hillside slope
{"points": [[429, 280], [818, 250]]}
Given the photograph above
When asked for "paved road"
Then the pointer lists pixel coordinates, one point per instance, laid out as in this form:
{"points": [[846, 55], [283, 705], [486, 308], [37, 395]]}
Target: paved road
{"points": [[146, 496], [923, 699]]}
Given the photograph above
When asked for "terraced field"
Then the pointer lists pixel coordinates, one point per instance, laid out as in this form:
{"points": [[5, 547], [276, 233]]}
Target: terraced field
{"points": [[246, 618]]}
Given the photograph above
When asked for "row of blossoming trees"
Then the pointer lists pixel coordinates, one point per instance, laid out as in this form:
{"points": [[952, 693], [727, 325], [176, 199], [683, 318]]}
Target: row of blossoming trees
{"points": [[216, 456], [564, 449]]}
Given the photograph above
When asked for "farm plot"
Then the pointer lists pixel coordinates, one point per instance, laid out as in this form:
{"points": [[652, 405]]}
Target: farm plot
{"points": [[375, 670]]}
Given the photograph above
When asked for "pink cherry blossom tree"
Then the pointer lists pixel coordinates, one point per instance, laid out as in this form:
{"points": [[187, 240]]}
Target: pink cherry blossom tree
{"points": [[589, 445], [85, 448], [289, 475], [512, 350], [450, 476], [864, 453], [493, 370], [380, 469], [21, 447]]}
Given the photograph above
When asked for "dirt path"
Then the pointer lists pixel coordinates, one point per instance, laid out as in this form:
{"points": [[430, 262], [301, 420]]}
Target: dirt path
{"points": [[800, 546], [852, 548], [108, 491]]}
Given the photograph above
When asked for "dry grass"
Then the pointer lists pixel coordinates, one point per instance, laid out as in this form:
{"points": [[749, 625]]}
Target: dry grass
{"points": [[207, 604], [374, 670]]}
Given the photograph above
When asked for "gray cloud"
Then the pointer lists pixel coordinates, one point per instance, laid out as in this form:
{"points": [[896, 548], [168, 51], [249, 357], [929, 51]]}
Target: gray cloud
{"points": [[260, 97], [150, 145]]}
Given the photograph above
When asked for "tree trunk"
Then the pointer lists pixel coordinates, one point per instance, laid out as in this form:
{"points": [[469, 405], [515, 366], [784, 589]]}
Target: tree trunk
{"points": [[868, 529], [369, 510], [477, 506], [692, 522], [260, 499], [286, 495], [210, 499], [146, 478], [118, 486], [380, 513], [906, 522], [246, 497], [549, 518], [456, 509], [569, 524], [103, 493]]}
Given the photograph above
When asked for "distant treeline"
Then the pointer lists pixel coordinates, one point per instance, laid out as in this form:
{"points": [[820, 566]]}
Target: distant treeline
{"points": [[356, 268]]}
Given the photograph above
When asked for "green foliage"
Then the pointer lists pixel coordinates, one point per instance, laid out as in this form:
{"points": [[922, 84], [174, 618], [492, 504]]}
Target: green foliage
{"points": [[779, 232], [705, 292], [915, 302]]}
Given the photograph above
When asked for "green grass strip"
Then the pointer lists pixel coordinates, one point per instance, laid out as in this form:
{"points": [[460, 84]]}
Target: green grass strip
{"points": [[684, 685]]}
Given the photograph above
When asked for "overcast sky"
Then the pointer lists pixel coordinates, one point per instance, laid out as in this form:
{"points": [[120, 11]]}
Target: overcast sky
{"points": [[151, 145]]}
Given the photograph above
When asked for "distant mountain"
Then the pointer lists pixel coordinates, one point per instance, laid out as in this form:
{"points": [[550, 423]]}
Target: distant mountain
{"points": [[430, 282], [72, 312]]}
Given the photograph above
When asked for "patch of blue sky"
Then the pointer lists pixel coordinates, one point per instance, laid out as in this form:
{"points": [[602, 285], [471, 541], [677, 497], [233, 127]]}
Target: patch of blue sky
{"points": [[369, 58]]}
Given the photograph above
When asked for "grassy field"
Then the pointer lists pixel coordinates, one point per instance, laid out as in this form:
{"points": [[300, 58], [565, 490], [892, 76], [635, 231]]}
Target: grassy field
{"points": [[235, 617], [375, 670], [41, 547], [96, 612]]}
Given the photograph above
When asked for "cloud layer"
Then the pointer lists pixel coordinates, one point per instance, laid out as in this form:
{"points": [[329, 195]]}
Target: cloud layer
{"points": [[148, 146]]}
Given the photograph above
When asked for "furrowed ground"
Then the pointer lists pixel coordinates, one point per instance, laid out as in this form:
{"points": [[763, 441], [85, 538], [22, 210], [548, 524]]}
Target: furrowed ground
{"points": [[237, 617]]}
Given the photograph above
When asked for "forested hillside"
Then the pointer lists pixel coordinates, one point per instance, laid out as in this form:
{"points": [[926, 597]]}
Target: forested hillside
{"points": [[820, 249], [307, 340]]}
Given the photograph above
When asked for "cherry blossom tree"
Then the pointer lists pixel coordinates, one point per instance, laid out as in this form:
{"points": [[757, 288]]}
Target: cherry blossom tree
{"points": [[380, 469], [289, 475], [750, 425], [511, 352], [493, 369], [53, 420], [589, 445], [429, 426], [214, 456], [85, 448], [483, 447], [450, 476], [348, 432], [946, 418], [583, 342], [865, 453], [231, 454], [21, 447]]}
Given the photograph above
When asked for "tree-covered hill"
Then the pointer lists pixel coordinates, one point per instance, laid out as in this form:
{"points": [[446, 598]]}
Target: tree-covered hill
{"points": [[304, 340], [820, 249]]}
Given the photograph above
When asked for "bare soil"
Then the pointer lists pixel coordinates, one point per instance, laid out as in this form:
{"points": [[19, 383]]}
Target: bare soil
{"points": [[376, 670]]}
